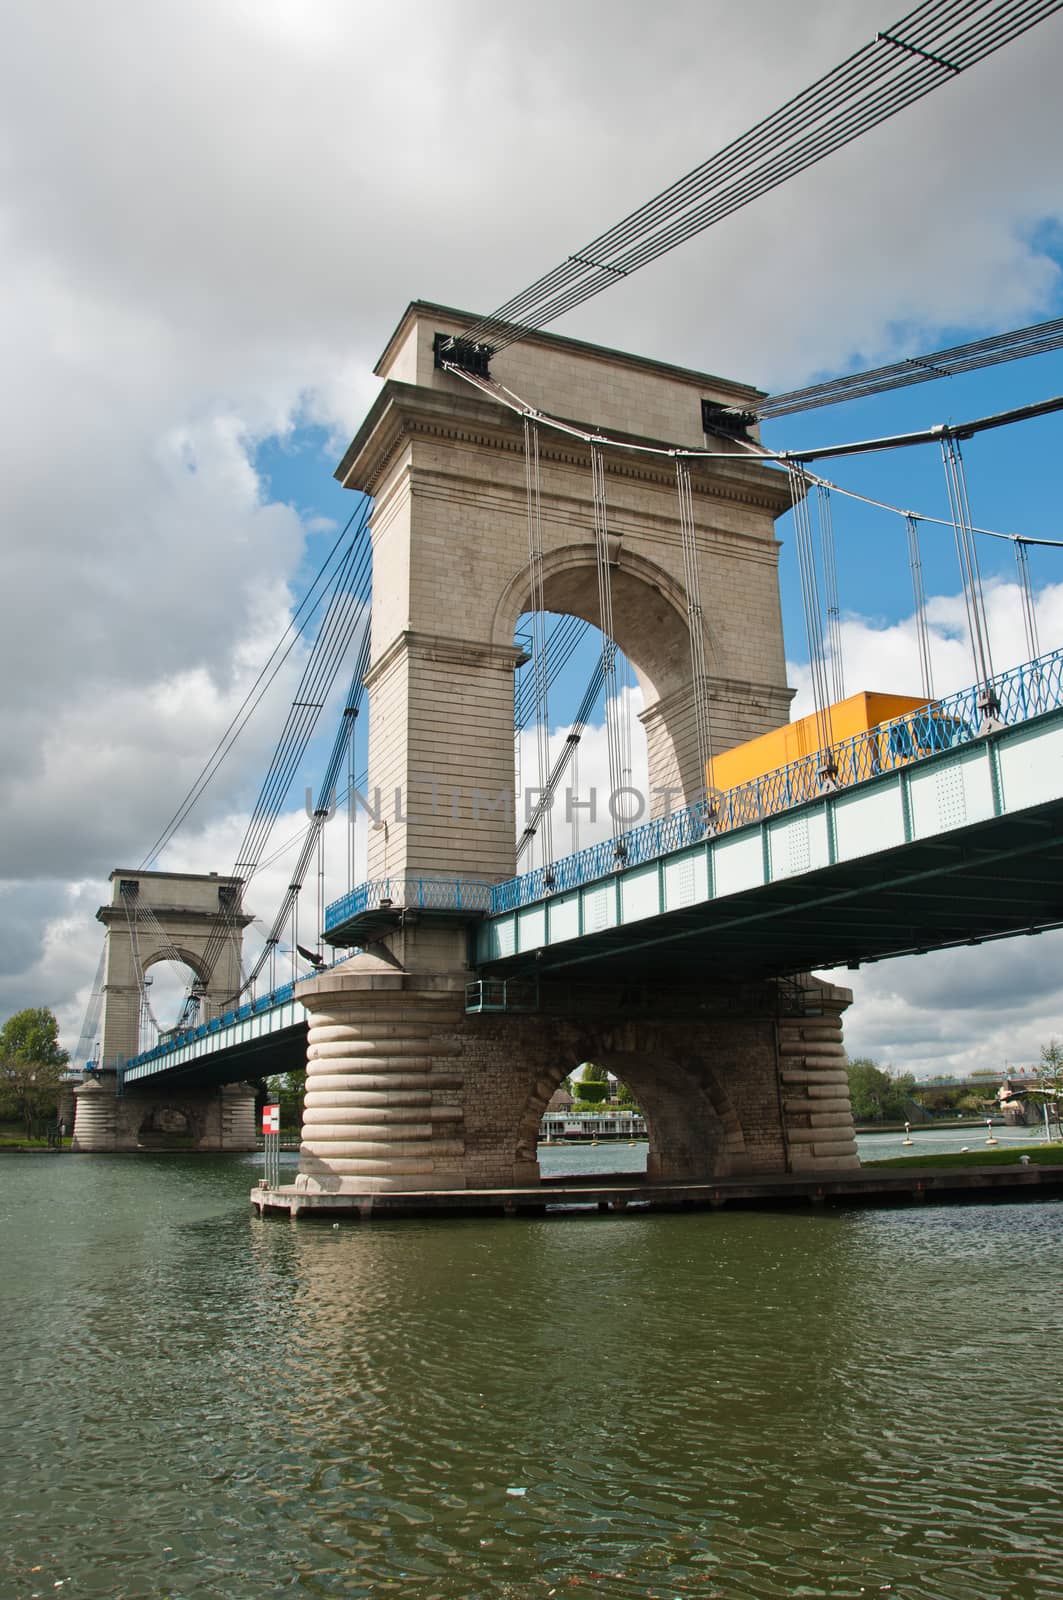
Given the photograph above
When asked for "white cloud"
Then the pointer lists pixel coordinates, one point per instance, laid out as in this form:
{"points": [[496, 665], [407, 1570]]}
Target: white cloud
{"points": [[883, 657], [953, 1011]]}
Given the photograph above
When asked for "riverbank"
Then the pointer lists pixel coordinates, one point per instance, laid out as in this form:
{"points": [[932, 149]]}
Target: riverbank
{"points": [[1038, 1154]]}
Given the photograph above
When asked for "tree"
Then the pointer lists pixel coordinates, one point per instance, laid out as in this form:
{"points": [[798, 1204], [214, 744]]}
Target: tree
{"points": [[876, 1095], [29, 1091], [593, 1086], [32, 1064], [1049, 1089], [33, 1035], [288, 1089]]}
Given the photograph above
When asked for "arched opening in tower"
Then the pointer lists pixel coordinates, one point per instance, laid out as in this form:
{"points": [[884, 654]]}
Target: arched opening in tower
{"points": [[171, 999], [578, 735]]}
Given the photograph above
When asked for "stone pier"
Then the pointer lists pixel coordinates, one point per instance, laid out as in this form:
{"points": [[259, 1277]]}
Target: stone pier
{"points": [[197, 919], [406, 1092], [169, 1119]]}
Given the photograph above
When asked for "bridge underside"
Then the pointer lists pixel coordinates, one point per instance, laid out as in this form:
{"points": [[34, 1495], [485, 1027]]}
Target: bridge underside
{"points": [[999, 877], [284, 1051]]}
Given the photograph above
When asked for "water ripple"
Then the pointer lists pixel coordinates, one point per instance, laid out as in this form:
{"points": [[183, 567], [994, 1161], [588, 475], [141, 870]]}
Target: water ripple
{"points": [[738, 1405]]}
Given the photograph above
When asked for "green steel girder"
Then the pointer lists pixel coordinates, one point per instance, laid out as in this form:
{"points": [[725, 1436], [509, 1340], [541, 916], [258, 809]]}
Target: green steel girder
{"points": [[998, 877]]}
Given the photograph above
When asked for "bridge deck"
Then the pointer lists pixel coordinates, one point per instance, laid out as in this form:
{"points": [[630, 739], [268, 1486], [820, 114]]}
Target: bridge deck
{"points": [[964, 846]]}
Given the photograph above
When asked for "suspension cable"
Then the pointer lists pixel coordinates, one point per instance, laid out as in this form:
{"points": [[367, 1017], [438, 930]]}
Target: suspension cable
{"points": [[970, 575], [1018, 343], [326, 801], [830, 587], [605, 611], [351, 801], [810, 601], [567, 754], [759, 452], [1029, 611], [695, 626], [296, 626], [922, 630], [144, 1002], [90, 1026], [538, 615], [320, 889], [347, 610], [565, 637], [929, 46], [627, 685], [574, 741]]}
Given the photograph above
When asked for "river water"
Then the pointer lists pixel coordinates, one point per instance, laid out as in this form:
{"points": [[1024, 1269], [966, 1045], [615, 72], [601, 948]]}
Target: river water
{"points": [[737, 1405]]}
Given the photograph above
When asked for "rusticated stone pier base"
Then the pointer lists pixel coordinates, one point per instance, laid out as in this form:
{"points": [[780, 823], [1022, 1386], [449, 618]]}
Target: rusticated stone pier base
{"points": [[177, 1119], [815, 1087], [407, 1093], [384, 1083]]}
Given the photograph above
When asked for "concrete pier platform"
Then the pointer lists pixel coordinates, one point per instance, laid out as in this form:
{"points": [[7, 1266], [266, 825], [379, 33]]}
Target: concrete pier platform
{"points": [[571, 1197]]}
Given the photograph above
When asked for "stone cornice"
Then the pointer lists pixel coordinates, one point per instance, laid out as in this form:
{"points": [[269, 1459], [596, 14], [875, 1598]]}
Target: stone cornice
{"points": [[443, 648], [744, 395], [719, 688], [183, 916], [403, 412]]}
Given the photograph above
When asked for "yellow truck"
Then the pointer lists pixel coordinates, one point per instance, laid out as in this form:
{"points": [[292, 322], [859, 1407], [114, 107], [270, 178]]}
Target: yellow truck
{"points": [[865, 734]]}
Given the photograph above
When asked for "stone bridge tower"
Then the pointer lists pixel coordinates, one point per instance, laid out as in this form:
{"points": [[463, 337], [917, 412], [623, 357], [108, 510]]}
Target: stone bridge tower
{"points": [[405, 1091], [165, 916], [445, 464]]}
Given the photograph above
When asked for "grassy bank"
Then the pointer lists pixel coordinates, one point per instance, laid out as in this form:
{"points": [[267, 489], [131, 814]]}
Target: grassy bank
{"points": [[1050, 1155]]}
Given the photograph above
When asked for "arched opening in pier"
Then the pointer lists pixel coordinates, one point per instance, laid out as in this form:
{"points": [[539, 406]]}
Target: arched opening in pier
{"points": [[689, 1129], [167, 1127], [593, 1124]]}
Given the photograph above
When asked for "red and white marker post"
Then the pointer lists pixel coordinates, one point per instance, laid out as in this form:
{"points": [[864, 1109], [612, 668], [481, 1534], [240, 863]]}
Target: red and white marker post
{"points": [[271, 1144]]}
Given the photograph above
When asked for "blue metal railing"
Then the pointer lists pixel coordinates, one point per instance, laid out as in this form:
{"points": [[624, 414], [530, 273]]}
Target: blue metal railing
{"points": [[174, 1041], [424, 894], [947, 724], [266, 1002]]}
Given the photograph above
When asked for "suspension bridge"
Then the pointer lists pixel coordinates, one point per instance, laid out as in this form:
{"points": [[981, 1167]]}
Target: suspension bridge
{"points": [[478, 964]]}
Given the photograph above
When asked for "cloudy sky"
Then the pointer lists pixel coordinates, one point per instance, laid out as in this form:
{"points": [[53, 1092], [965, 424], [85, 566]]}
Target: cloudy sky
{"points": [[212, 215]]}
